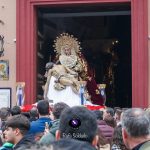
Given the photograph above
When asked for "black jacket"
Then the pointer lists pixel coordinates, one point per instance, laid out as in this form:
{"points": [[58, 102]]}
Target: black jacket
{"points": [[25, 142]]}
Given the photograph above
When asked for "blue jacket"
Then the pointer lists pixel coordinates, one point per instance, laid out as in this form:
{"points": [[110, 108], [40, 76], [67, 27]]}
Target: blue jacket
{"points": [[38, 126]]}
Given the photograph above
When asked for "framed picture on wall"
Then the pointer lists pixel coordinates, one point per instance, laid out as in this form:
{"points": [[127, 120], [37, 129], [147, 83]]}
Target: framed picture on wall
{"points": [[4, 70], [5, 97]]}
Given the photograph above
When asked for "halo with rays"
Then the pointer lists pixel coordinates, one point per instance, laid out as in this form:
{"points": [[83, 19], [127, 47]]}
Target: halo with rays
{"points": [[66, 39]]}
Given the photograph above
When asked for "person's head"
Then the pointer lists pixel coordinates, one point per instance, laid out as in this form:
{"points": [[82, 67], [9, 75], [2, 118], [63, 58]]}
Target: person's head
{"points": [[99, 114], [4, 113], [43, 107], [15, 128], [34, 113], [48, 66], [117, 115], [67, 49], [58, 108], [135, 127], [79, 123], [110, 121], [108, 112], [16, 110], [115, 108]]}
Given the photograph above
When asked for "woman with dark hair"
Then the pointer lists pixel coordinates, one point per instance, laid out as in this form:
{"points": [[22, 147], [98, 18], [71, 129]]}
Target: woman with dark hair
{"points": [[117, 143], [117, 116]]}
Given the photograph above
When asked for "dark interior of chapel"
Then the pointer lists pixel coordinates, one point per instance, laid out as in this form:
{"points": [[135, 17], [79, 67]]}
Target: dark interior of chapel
{"points": [[104, 32]]}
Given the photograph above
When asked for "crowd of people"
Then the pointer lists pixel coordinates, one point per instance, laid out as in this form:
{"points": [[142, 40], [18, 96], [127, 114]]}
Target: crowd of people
{"points": [[61, 127]]}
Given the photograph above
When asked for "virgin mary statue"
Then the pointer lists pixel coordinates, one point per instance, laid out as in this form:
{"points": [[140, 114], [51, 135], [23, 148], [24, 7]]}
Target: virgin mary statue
{"points": [[66, 79]]}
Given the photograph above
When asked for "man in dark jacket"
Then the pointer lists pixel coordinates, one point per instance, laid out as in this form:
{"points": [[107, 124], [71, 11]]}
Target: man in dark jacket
{"points": [[15, 132], [38, 126], [78, 123], [136, 129]]}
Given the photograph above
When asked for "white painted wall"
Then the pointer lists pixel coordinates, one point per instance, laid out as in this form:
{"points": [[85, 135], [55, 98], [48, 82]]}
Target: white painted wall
{"points": [[8, 16]]}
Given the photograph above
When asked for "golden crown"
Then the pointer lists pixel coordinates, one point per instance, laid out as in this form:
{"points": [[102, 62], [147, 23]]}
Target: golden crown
{"points": [[66, 39]]}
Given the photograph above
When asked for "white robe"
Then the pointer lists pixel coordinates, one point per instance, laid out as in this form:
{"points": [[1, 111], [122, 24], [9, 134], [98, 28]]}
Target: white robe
{"points": [[66, 95]]}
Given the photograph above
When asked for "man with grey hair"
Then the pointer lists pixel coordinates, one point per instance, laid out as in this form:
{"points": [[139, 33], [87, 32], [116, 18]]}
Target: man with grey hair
{"points": [[136, 129]]}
